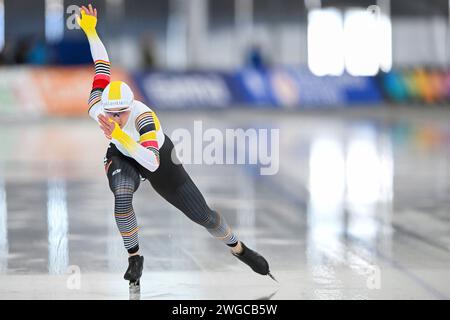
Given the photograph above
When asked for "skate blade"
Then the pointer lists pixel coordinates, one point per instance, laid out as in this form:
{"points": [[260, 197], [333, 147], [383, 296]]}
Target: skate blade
{"points": [[135, 291], [273, 278], [135, 296], [135, 286]]}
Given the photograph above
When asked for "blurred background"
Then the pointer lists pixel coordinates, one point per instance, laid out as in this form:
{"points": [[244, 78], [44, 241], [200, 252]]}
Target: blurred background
{"points": [[288, 53], [359, 90]]}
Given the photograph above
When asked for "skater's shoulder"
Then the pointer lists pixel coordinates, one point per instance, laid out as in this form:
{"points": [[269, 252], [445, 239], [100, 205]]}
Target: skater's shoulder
{"points": [[141, 107], [144, 115]]}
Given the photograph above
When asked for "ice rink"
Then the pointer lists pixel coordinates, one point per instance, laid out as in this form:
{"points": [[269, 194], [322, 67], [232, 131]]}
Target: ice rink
{"points": [[359, 209]]}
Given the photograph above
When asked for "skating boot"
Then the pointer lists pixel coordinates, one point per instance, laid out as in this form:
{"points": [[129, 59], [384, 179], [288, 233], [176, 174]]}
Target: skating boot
{"points": [[134, 272], [254, 260]]}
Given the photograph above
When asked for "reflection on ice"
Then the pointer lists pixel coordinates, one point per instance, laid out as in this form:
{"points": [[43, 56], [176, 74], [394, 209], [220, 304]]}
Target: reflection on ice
{"points": [[326, 188], [3, 228], [333, 199], [325, 213], [57, 219], [351, 188], [369, 180], [245, 209]]}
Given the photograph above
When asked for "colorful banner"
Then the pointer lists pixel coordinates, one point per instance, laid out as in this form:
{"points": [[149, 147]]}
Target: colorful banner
{"points": [[56, 91], [416, 85], [18, 94], [65, 91]]}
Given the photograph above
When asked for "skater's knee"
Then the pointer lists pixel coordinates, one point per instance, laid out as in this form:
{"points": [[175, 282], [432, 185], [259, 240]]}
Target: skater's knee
{"points": [[123, 193], [122, 190]]}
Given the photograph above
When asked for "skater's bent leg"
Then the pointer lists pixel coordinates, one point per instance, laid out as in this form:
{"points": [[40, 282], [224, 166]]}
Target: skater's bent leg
{"points": [[124, 181]]}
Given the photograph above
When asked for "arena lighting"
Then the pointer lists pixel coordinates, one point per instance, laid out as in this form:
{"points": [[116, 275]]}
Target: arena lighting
{"points": [[385, 34], [2, 24], [325, 38], [367, 42], [54, 20], [359, 41], [385, 49]]}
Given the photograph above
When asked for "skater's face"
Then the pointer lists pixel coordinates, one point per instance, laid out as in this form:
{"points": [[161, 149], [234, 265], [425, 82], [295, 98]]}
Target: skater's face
{"points": [[120, 117]]}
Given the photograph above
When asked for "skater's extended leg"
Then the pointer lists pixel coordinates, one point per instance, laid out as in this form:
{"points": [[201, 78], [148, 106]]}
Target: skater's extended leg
{"points": [[191, 202], [173, 183]]}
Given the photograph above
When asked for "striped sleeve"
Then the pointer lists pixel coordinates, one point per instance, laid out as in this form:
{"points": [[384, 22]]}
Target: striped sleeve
{"points": [[95, 97], [101, 79], [102, 74], [102, 64], [148, 125]]}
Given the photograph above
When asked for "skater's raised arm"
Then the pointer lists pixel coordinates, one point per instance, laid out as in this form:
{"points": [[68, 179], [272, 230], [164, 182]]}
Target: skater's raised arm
{"points": [[102, 78]]}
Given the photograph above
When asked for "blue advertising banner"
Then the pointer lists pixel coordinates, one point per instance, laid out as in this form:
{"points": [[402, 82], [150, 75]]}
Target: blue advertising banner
{"points": [[289, 87], [178, 90], [278, 87], [255, 87]]}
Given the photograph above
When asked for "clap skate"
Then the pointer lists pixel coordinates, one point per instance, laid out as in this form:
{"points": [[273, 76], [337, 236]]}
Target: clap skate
{"points": [[255, 261], [134, 273]]}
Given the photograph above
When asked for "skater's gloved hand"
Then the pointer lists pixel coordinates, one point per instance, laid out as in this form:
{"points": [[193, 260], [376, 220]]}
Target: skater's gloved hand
{"points": [[108, 126], [88, 20]]}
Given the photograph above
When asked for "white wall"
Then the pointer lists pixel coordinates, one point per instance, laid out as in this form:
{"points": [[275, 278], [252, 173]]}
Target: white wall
{"points": [[416, 41], [419, 41]]}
